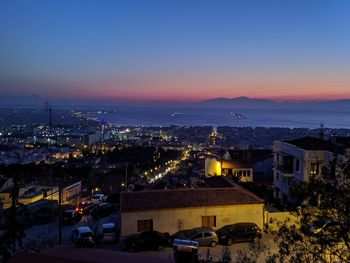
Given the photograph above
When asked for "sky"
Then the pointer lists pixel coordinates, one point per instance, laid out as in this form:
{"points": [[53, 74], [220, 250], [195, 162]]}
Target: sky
{"points": [[175, 50]]}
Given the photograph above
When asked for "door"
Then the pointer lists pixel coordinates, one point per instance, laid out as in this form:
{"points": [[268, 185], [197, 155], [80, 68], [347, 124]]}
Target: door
{"points": [[207, 238], [240, 234], [251, 233]]}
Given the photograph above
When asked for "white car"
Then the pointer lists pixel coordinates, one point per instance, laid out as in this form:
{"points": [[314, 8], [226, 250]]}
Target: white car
{"points": [[98, 198], [107, 233], [83, 237]]}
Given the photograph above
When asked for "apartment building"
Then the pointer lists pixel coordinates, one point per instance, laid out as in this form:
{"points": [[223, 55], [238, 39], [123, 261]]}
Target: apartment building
{"points": [[297, 160]]}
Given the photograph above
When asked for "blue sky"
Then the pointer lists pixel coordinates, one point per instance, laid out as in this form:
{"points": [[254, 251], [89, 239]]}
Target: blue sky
{"points": [[181, 50]]}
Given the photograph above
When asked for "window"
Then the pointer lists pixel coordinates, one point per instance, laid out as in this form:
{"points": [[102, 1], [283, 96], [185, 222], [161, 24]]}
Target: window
{"points": [[199, 235], [248, 173], [208, 221], [314, 168], [207, 234], [297, 165], [144, 225]]}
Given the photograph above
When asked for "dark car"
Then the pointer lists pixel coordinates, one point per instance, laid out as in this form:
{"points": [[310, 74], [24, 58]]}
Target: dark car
{"points": [[85, 207], [240, 232], [102, 210], [326, 229], [70, 217], [150, 240]]}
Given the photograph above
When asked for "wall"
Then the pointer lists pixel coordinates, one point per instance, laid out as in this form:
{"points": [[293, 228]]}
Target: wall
{"points": [[273, 218], [212, 167], [6, 199], [173, 220]]}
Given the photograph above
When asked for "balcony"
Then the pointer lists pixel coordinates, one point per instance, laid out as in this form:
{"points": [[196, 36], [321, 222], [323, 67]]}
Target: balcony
{"points": [[285, 170]]}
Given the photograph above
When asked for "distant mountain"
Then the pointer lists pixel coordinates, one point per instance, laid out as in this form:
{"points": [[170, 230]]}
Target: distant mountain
{"points": [[250, 103]]}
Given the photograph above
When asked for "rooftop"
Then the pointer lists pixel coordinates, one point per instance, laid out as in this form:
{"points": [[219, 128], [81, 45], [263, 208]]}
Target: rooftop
{"points": [[218, 182], [251, 155], [185, 198], [316, 144], [232, 164]]}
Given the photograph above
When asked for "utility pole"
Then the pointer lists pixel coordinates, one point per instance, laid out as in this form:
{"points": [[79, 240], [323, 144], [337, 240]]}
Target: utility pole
{"points": [[49, 110], [60, 212]]}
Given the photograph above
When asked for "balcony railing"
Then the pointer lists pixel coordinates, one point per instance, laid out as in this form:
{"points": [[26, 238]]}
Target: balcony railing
{"points": [[286, 170]]}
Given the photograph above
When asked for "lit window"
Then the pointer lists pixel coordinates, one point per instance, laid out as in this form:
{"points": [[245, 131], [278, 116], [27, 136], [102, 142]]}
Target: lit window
{"points": [[314, 168]]}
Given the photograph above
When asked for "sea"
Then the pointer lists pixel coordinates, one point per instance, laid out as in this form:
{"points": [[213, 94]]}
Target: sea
{"points": [[157, 116]]}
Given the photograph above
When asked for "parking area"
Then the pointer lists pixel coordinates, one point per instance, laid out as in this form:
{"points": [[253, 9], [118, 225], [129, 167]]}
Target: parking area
{"points": [[266, 246], [50, 232]]}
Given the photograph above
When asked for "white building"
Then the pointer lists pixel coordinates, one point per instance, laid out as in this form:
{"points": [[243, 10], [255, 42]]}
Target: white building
{"points": [[240, 165], [297, 160], [174, 210]]}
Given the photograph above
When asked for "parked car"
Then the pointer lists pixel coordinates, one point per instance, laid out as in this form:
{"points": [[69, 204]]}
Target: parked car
{"points": [[240, 232], [98, 198], [85, 207], [107, 233], [325, 228], [83, 237], [150, 240], [70, 217], [102, 210], [205, 236]]}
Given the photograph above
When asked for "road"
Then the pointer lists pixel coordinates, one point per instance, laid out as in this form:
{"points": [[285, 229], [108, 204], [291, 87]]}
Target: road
{"points": [[50, 231]]}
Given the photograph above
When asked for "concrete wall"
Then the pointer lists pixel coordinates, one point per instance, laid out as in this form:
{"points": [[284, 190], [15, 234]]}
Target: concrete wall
{"points": [[212, 167], [173, 220], [273, 219]]}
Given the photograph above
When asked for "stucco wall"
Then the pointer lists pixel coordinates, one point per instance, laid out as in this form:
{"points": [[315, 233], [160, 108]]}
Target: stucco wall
{"points": [[274, 219], [173, 220]]}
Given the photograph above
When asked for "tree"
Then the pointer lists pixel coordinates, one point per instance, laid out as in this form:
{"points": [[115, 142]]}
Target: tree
{"points": [[326, 199], [15, 228]]}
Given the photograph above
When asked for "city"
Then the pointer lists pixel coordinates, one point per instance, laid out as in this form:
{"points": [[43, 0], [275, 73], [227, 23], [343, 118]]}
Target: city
{"points": [[187, 131]]}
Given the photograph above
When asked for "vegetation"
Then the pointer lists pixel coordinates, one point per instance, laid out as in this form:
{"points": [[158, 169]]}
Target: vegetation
{"points": [[14, 228], [325, 199]]}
